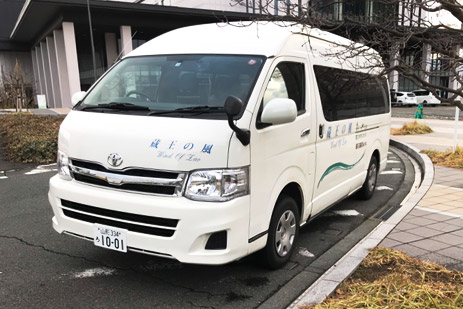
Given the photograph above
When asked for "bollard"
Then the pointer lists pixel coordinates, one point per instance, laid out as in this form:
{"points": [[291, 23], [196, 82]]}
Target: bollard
{"points": [[419, 112]]}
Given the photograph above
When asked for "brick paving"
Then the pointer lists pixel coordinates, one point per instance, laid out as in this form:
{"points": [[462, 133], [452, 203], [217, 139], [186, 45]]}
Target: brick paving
{"points": [[433, 230]]}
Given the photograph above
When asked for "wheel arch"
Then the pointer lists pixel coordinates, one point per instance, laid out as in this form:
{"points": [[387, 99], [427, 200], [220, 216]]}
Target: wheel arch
{"points": [[294, 190]]}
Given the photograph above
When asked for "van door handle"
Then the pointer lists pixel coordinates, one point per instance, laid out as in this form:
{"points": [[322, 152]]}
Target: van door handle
{"points": [[305, 132], [321, 127]]}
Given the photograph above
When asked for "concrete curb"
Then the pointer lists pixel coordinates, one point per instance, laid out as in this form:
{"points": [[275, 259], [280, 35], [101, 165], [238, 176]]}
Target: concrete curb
{"points": [[342, 269]]}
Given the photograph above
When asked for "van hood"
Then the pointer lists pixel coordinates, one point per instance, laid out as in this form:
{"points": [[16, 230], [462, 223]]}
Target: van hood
{"points": [[161, 143]]}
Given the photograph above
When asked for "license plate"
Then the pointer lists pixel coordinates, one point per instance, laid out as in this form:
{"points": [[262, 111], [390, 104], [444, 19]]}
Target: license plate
{"points": [[110, 237]]}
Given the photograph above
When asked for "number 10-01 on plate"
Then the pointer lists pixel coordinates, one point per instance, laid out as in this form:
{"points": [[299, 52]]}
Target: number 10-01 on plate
{"points": [[110, 237]]}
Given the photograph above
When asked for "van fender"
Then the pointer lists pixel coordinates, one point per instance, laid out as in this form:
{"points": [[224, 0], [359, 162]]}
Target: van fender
{"points": [[292, 174], [382, 154]]}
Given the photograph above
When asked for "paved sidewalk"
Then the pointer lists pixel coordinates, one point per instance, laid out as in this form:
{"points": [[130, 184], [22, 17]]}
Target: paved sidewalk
{"points": [[433, 230], [45, 111]]}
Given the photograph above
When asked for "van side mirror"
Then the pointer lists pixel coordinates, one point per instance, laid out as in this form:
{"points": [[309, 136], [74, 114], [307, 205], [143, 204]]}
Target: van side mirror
{"points": [[279, 111], [232, 107], [77, 97]]}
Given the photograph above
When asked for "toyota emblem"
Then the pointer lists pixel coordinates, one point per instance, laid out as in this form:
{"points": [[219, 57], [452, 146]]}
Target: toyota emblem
{"points": [[115, 159]]}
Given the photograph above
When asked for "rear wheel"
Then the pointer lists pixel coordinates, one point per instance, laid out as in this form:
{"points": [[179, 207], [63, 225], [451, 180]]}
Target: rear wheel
{"points": [[282, 234], [368, 188]]}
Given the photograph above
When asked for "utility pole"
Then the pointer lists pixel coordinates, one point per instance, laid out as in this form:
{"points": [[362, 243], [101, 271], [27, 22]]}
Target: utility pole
{"points": [[91, 40]]}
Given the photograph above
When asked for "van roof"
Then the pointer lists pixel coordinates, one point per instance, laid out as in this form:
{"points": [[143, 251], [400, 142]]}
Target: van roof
{"points": [[250, 38]]}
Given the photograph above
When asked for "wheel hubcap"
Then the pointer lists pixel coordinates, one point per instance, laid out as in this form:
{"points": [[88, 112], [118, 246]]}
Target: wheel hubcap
{"points": [[285, 233], [372, 177]]}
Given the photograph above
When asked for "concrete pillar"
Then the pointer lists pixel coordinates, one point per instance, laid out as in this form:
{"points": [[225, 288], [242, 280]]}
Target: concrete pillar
{"points": [[111, 48], [35, 83], [426, 62], [394, 61], [54, 71], [38, 59], [72, 63], [126, 40], [46, 70], [65, 93]]}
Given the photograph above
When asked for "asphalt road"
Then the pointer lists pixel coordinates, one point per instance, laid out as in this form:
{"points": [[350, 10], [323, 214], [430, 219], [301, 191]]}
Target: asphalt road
{"points": [[438, 112], [40, 268]]}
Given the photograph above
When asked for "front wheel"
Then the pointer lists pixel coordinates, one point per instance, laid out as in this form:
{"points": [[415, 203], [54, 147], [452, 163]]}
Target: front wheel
{"points": [[368, 188], [282, 234]]}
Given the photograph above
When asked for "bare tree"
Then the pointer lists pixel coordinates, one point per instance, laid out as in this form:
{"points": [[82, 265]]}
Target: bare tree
{"points": [[416, 48], [13, 89]]}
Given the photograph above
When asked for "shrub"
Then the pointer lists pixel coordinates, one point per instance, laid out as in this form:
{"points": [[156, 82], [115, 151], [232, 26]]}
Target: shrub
{"points": [[30, 138], [446, 158], [412, 128]]}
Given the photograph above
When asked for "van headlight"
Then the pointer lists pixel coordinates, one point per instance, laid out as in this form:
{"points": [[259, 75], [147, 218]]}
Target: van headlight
{"points": [[63, 166], [217, 185]]}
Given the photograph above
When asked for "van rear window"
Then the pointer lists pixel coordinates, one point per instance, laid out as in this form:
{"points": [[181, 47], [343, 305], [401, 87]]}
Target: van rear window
{"points": [[346, 94]]}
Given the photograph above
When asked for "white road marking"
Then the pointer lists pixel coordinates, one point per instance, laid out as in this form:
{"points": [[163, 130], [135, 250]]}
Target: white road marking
{"points": [[43, 169], [93, 272], [391, 172], [393, 161], [3, 177], [305, 252], [396, 169], [382, 188]]}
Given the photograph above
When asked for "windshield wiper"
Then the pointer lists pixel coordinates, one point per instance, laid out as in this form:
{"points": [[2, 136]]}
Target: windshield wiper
{"points": [[191, 109], [117, 106]]}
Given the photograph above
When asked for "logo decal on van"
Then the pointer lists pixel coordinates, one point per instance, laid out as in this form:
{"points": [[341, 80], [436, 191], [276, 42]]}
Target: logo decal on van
{"points": [[339, 166], [177, 150]]}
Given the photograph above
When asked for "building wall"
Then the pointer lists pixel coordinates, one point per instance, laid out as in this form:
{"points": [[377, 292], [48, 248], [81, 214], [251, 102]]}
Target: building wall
{"points": [[226, 5]]}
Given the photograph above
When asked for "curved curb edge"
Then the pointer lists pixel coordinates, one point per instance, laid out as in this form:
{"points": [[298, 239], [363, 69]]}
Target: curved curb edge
{"points": [[346, 265]]}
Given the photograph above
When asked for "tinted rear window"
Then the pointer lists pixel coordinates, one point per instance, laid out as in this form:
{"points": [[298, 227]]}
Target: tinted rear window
{"points": [[346, 94]]}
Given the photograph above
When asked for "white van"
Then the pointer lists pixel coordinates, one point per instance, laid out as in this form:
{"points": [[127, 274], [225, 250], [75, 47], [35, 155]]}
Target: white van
{"points": [[212, 142], [426, 98], [406, 98]]}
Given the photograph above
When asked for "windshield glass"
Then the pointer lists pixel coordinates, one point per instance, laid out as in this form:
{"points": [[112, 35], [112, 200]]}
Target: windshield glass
{"points": [[161, 84]]}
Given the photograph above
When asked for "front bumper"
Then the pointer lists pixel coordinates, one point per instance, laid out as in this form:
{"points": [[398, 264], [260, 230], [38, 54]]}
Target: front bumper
{"points": [[196, 221]]}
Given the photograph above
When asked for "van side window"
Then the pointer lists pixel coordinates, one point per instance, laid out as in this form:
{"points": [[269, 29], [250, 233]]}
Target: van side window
{"points": [[346, 94], [287, 81]]}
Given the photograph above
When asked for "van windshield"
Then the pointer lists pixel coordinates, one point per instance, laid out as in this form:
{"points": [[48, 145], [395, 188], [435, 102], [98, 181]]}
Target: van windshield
{"points": [[174, 85]]}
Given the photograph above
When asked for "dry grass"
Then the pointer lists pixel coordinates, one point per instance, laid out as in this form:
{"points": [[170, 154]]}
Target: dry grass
{"points": [[446, 158], [29, 138], [387, 278], [411, 129]]}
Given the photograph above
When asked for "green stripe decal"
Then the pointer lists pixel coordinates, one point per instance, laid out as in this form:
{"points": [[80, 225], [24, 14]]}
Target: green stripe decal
{"points": [[339, 166]]}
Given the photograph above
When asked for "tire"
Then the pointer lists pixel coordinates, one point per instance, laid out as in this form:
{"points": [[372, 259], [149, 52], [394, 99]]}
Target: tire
{"points": [[283, 233], [369, 186], [425, 102]]}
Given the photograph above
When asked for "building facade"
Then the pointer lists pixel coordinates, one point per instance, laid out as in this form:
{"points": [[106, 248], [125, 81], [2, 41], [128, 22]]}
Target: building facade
{"points": [[51, 39]]}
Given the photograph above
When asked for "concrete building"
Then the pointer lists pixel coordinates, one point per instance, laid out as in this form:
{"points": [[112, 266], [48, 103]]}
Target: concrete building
{"points": [[51, 38]]}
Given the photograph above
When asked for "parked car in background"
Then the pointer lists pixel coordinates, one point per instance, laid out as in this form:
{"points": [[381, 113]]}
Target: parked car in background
{"points": [[426, 97], [405, 98]]}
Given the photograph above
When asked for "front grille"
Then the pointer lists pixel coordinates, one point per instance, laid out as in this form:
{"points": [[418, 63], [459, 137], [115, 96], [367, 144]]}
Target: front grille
{"points": [[128, 187], [132, 171], [164, 227], [129, 179]]}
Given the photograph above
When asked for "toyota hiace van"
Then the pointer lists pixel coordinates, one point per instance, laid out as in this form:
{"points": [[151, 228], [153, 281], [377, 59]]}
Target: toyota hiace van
{"points": [[211, 142]]}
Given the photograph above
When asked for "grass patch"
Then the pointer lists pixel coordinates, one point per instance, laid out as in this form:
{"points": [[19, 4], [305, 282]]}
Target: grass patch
{"points": [[446, 158], [387, 278], [411, 129], [30, 138]]}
